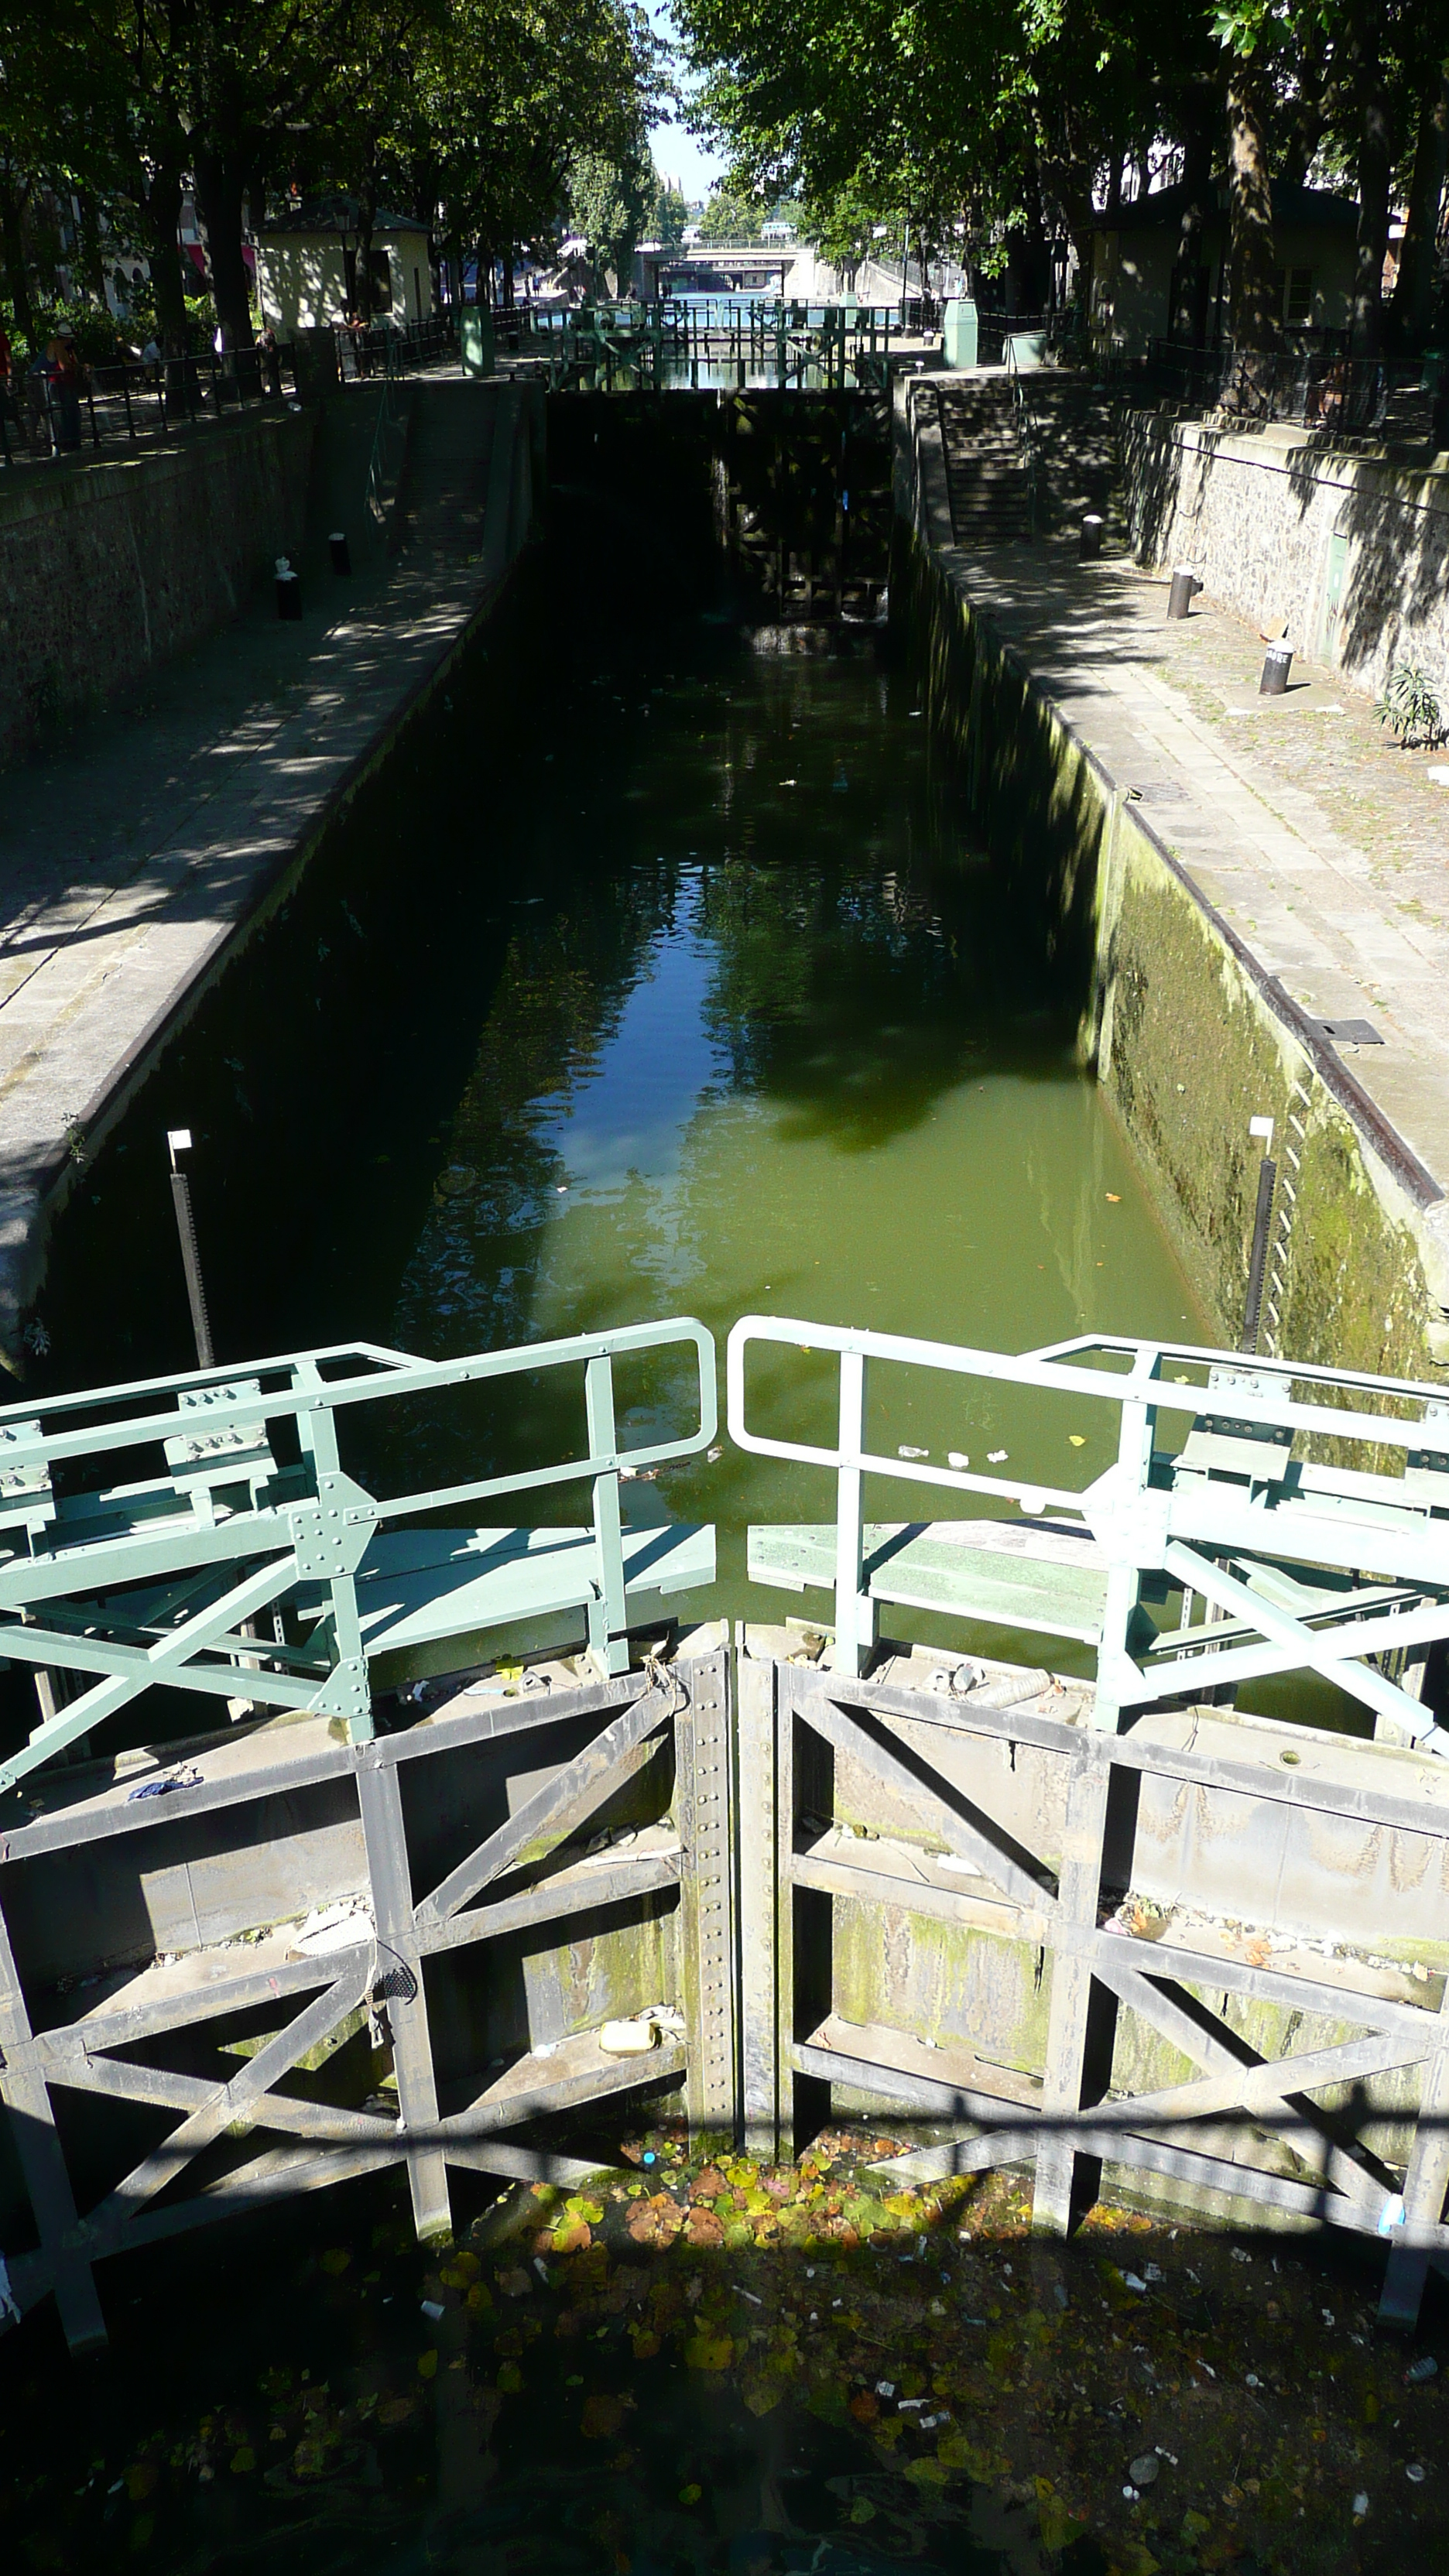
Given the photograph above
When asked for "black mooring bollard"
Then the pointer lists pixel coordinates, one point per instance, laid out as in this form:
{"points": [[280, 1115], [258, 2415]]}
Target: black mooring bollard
{"points": [[341, 551], [1091, 537], [1277, 662], [1185, 587], [289, 590]]}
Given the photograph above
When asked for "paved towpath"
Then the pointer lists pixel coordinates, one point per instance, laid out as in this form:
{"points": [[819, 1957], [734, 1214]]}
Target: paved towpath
{"points": [[1324, 846], [133, 854]]}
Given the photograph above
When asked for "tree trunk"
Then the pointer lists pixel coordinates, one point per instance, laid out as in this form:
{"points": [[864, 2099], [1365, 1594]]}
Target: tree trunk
{"points": [[161, 215], [1418, 260], [1305, 116], [221, 186], [366, 218], [88, 244], [1375, 174], [1253, 320], [1187, 319], [12, 243]]}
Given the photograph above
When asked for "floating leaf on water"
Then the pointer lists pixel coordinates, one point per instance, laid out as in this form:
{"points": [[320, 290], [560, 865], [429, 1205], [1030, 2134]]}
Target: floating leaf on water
{"points": [[427, 2365], [243, 2460], [762, 2395], [603, 2415], [709, 2352], [336, 2260], [457, 1181]]}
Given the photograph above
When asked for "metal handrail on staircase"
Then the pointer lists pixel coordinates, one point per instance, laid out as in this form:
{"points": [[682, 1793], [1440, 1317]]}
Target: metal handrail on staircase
{"points": [[1027, 433], [391, 423]]}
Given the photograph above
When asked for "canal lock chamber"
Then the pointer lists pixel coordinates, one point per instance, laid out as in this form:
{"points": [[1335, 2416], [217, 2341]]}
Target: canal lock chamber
{"points": [[658, 966]]}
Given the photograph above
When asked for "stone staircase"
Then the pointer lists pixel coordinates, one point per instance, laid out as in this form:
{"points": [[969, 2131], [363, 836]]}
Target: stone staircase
{"points": [[1004, 492], [442, 504], [1077, 447], [986, 471], [1408, 416]]}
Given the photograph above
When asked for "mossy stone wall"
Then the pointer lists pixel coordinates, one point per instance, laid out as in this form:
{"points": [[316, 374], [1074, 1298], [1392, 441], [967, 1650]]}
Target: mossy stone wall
{"points": [[1183, 1038]]}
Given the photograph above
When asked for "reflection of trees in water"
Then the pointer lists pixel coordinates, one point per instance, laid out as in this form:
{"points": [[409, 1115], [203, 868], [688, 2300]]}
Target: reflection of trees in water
{"points": [[473, 1278], [857, 988]]}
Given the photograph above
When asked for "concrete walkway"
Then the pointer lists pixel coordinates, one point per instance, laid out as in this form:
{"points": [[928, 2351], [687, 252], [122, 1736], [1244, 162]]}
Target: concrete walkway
{"points": [[1324, 846], [133, 857]]}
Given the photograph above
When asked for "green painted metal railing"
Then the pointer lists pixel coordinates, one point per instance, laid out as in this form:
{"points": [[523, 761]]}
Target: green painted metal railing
{"points": [[119, 1579], [1303, 1563], [799, 343]]}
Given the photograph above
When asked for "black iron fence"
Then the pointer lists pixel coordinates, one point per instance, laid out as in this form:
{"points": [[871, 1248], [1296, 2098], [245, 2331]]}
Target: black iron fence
{"points": [[1315, 385], [393, 348], [46, 415], [993, 330]]}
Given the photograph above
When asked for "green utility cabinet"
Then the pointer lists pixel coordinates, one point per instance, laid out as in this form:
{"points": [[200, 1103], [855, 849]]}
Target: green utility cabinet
{"points": [[475, 339], [961, 331]]}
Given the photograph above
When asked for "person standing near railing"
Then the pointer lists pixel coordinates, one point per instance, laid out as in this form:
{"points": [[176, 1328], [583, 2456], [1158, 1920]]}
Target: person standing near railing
{"points": [[39, 413], [66, 385]]}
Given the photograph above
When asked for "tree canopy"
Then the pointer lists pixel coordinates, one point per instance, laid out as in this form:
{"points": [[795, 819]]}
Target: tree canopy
{"points": [[982, 126], [469, 114]]}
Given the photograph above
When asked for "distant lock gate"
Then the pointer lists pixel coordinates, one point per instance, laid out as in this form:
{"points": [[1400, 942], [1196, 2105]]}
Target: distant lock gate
{"points": [[1077, 1926]]}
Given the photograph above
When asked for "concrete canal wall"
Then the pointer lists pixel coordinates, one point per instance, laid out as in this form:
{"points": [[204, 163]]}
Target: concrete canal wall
{"points": [[108, 571], [187, 827], [1352, 550], [1188, 1032]]}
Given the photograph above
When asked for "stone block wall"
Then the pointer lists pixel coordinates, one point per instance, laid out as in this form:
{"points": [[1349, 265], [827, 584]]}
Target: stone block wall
{"points": [[1257, 515], [107, 569]]}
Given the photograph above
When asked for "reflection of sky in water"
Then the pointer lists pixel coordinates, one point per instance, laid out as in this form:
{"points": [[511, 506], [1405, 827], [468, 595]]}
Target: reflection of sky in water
{"points": [[629, 1115]]}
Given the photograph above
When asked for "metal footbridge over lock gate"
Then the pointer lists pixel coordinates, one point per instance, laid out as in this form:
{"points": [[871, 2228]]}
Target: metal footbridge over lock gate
{"points": [[1009, 1904], [822, 347]]}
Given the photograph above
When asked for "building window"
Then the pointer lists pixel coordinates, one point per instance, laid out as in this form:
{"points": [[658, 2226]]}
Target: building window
{"points": [[1299, 306]]}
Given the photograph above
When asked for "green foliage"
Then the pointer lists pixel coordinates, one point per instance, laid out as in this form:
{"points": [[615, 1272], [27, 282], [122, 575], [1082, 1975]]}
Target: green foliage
{"points": [[730, 216], [100, 341], [844, 227], [1410, 707], [609, 205], [671, 214], [467, 112], [982, 123]]}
